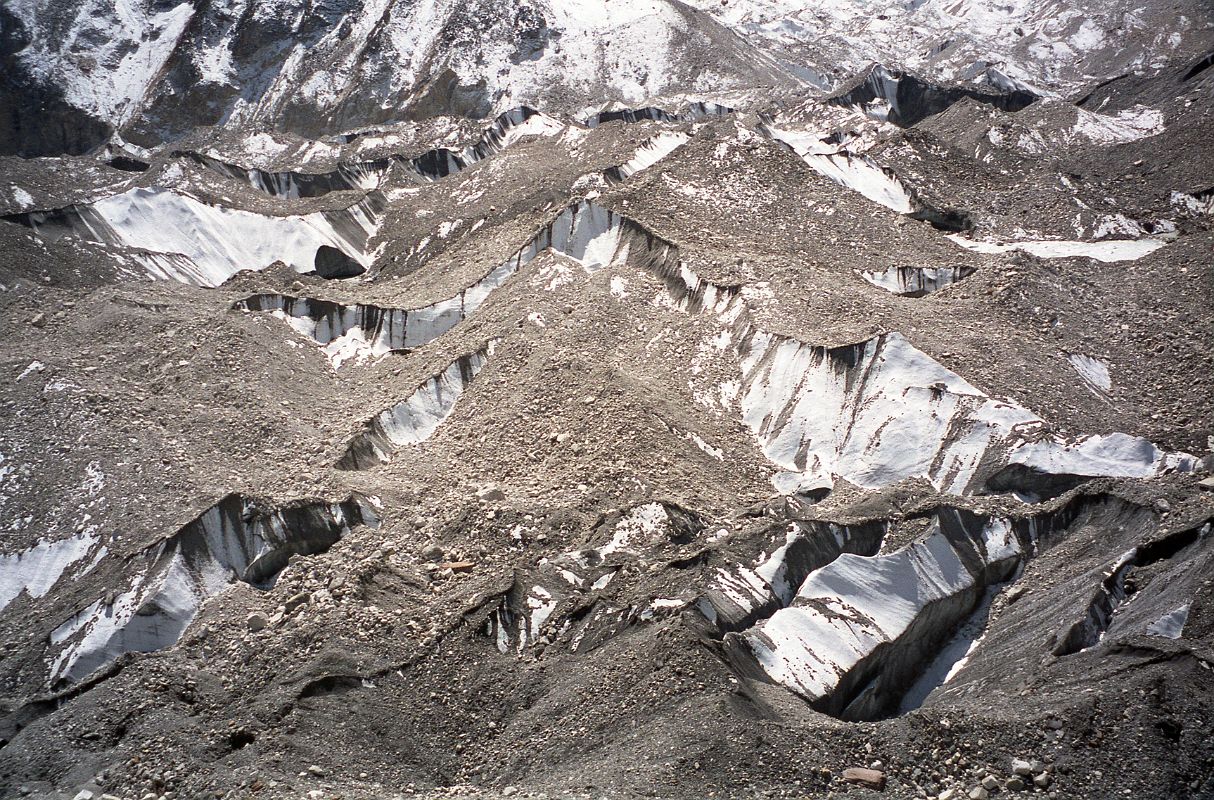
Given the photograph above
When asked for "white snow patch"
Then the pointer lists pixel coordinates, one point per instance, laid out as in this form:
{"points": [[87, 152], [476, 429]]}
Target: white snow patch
{"points": [[1127, 126], [22, 198], [34, 367], [715, 452], [1108, 251], [1171, 624], [1092, 370], [36, 569]]}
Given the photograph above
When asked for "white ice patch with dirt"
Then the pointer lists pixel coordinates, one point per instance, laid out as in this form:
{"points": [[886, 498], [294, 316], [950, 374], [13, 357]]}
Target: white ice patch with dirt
{"points": [[856, 172], [36, 569], [1108, 251], [1115, 455], [638, 527], [1171, 624], [589, 234], [1126, 126], [651, 152], [1093, 371]]}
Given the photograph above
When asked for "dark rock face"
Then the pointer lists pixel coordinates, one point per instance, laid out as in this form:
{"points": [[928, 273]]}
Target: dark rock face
{"points": [[35, 119], [333, 263], [310, 69]]}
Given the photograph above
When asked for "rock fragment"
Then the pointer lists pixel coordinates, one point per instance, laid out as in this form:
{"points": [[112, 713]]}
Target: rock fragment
{"points": [[862, 776]]}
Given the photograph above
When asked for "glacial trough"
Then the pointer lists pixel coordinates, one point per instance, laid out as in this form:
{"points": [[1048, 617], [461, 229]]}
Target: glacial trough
{"points": [[862, 631]]}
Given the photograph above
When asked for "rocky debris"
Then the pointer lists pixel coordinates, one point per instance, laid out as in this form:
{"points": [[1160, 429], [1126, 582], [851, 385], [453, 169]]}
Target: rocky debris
{"points": [[561, 559]]}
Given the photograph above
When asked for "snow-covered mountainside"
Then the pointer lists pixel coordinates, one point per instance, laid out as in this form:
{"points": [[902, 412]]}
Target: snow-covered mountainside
{"points": [[153, 69], [606, 398]]}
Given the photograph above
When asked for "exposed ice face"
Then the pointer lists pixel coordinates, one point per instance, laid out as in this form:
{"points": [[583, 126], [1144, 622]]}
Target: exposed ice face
{"points": [[204, 244], [1108, 596], [905, 99], [170, 581], [649, 153], [916, 281], [1108, 251], [954, 654], [414, 419], [739, 596], [873, 413], [586, 232], [855, 621], [879, 412], [35, 570], [357, 332], [508, 128], [856, 172]]}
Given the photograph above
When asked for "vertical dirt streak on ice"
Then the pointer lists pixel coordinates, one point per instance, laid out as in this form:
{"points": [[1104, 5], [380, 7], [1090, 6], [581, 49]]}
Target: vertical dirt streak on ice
{"points": [[881, 411], [873, 413], [286, 185], [916, 281]]}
